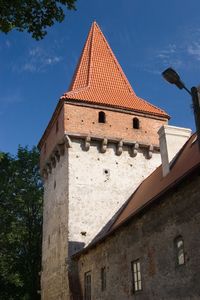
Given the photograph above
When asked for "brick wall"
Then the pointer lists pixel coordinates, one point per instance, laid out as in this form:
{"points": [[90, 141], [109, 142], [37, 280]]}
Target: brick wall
{"points": [[84, 120], [118, 124], [52, 136]]}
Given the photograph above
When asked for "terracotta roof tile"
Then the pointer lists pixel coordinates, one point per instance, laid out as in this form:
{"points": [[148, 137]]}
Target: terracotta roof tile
{"points": [[99, 79], [187, 159]]}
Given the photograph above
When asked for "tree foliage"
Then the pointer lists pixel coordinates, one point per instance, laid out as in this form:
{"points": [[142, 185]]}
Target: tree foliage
{"points": [[33, 16], [20, 225]]}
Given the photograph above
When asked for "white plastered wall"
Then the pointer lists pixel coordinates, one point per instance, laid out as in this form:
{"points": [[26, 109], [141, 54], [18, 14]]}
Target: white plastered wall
{"points": [[99, 184]]}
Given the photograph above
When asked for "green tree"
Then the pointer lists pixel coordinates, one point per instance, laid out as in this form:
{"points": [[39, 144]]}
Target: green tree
{"points": [[20, 225], [33, 16]]}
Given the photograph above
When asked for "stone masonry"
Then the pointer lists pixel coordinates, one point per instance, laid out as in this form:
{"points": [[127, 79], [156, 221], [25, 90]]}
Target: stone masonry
{"points": [[150, 237]]}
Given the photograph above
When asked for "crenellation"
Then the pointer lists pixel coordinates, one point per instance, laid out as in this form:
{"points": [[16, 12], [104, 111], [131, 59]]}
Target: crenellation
{"points": [[101, 143], [135, 148], [150, 152], [87, 143], [104, 145]]}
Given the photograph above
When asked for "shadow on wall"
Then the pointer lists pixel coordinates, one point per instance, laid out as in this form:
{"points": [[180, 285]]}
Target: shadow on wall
{"points": [[74, 280], [75, 247]]}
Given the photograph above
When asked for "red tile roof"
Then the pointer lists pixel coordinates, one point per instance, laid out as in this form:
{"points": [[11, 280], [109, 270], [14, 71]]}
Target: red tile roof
{"points": [[99, 79], [153, 188]]}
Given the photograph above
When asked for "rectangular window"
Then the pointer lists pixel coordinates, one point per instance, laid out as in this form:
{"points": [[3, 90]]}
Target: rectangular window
{"points": [[179, 248], [136, 274], [103, 278], [87, 286]]}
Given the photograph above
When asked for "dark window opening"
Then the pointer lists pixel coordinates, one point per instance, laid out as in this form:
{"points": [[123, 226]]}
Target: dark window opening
{"points": [[106, 171], [136, 274], [136, 123], [179, 248], [87, 286], [103, 278], [102, 117]]}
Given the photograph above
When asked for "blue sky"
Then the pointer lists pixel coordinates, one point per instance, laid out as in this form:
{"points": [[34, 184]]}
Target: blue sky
{"points": [[146, 37]]}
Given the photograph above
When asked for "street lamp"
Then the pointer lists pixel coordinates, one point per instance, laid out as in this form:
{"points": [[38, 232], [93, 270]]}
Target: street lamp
{"points": [[172, 77]]}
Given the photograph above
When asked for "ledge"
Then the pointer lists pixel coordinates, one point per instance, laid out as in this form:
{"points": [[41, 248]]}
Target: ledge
{"points": [[66, 142]]}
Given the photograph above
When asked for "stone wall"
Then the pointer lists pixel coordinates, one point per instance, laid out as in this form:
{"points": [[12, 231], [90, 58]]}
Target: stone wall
{"points": [[150, 238], [54, 279], [99, 184], [83, 191]]}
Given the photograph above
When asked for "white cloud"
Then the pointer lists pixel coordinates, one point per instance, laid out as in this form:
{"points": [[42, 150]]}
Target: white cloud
{"points": [[38, 59], [194, 50], [11, 98]]}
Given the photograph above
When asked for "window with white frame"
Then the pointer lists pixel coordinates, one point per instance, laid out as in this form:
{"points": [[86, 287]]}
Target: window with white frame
{"points": [[136, 274], [179, 248]]}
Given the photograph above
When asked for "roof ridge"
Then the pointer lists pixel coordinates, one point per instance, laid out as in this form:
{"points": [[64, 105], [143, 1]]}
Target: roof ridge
{"points": [[78, 67], [125, 79], [91, 54]]}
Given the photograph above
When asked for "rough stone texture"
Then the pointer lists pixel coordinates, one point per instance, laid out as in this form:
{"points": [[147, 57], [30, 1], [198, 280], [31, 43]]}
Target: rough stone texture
{"points": [[81, 195], [150, 238], [99, 183], [54, 280]]}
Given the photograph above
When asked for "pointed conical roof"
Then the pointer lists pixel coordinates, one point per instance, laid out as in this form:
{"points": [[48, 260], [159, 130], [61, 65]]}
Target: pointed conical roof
{"points": [[99, 79]]}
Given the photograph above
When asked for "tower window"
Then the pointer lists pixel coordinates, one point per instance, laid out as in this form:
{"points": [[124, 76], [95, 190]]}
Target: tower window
{"points": [[179, 248], [102, 117], [136, 274], [87, 286], [136, 123]]}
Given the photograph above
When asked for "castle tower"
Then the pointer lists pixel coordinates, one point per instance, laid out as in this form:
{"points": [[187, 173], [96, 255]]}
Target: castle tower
{"points": [[100, 143]]}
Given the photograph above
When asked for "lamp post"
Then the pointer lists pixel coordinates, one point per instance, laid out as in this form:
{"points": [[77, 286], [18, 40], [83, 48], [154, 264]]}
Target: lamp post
{"points": [[172, 77]]}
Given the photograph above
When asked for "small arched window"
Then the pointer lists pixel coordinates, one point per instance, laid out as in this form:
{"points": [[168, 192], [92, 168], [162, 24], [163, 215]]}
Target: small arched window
{"points": [[136, 123], [179, 248], [102, 117]]}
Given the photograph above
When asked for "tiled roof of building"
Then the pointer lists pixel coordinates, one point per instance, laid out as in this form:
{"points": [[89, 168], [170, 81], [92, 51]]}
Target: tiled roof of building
{"points": [[154, 187], [99, 79]]}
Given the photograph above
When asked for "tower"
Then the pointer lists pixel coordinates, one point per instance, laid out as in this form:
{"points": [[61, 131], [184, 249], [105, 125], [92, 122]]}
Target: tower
{"points": [[100, 143]]}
